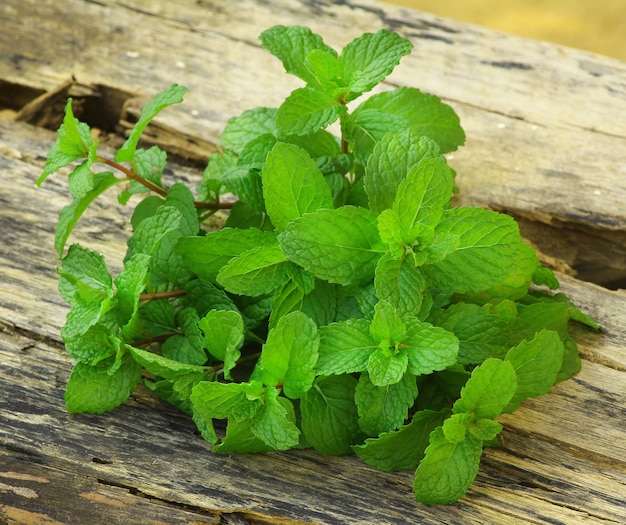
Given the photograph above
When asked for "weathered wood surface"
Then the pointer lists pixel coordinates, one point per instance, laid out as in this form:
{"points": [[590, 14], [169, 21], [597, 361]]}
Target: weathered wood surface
{"points": [[546, 132]]}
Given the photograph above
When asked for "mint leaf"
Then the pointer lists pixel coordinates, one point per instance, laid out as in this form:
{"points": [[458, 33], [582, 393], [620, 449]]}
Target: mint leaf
{"points": [[340, 246], [325, 68], [428, 347], [153, 230], [239, 439], [307, 110], [292, 45], [400, 283], [368, 59], [481, 333], [148, 164], [205, 256], [95, 343], [255, 272], [275, 422], [289, 355], [345, 347], [130, 283], [329, 415], [391, 159], [387, 365], [401, 109], [490, 251], [72, 212], [292, 185], [401, 449], [251, 124], [236, 401], [73, 142], [223, 337], [319, 304], [163, 367], [488, 390], [448, 469], [536, 364], [93, 389], [386, 325], [84, 276], [423, 194], [172, 95], [383, 408]]}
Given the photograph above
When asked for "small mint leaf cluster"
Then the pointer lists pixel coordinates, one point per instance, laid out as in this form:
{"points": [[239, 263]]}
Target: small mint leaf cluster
{"points": [[346, 304]]}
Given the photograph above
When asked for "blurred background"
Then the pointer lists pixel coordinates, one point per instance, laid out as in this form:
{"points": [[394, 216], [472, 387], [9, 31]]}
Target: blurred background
{"points": [[593, 25]]}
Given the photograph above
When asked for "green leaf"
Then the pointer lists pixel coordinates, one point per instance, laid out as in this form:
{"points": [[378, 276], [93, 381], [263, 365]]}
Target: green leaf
{"points": [[400, 283], [423, 194], [289, 355], [292, 185], [345, 347], [205, 256], [320, 304], [275, 422], [488, 390], [325, 69], [255, 272], [404, 448], [341, 246], [93, 389], [239, 439], [189, 347], [536, 364], [429, 348], [386, 324], [96, 342], [252, 123], [172, 95], [455, 427], [401, 109], [149, 164], [392, 158], [329, 415], [204, 297], [368, 59], [490, 252], [383, 408], [481, 333], [73, 142], [240, 401], [72, 212], [163, 367], [484, 429], [223, 337], [447, 470], [292, 45], [385, 369], [84, 276], [153, 230], [307, 110], [130, 283]]}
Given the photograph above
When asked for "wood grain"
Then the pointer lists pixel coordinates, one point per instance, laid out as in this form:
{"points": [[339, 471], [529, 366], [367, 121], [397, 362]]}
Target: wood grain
{"points": [[546, 142]]}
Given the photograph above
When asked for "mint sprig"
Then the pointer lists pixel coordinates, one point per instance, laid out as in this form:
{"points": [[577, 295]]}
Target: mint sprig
{"points": [[347, 304]]}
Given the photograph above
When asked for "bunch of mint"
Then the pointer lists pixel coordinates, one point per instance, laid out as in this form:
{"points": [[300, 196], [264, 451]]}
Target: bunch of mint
{"points": [[345, 304]]}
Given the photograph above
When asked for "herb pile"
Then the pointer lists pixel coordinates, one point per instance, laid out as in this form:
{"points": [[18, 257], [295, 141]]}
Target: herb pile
{"points": [[345, 304]]}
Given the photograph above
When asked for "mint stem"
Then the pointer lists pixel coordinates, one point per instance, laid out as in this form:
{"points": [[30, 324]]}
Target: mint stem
{"points": [[161, 295], [132, 175], [161, 191]]}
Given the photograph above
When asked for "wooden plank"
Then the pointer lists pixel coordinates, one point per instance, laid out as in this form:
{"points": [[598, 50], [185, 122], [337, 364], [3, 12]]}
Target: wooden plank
{"points": [[540, 119]]}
